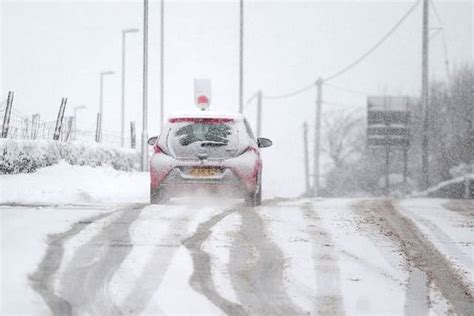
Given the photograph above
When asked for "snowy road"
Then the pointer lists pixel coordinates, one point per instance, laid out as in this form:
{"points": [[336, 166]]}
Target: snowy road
{"points": [[287, 257]]}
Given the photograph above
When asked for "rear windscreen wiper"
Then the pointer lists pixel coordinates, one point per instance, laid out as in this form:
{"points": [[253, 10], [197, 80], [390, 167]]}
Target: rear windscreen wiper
{"points": [[212, 144]]}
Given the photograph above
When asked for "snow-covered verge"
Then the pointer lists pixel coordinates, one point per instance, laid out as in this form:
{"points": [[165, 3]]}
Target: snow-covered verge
{"points": [[66, 184], [453, 188], [447, 228], [25, 156]]}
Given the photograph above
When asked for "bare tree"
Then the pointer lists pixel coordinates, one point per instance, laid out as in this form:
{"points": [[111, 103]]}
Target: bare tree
{"points": [[344, 137], [344, 142], [450, 128]]}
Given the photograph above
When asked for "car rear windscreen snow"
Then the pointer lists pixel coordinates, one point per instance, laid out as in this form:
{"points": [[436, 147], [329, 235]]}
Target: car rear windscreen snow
{"points": [[210, 139]]}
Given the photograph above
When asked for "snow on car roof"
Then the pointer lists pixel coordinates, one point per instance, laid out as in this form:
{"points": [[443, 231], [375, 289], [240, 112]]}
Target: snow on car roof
{"points": [[207, 114]]}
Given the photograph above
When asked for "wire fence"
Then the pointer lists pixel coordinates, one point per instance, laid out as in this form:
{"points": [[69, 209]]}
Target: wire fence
{"points": [[31, 127]]}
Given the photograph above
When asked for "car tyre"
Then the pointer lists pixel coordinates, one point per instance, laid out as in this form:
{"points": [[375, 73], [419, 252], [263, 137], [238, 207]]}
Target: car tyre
{"points": [[255, 198], [158, 196]]}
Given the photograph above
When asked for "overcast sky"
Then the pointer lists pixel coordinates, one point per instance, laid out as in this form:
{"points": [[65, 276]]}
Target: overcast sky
{"points": [[57, 48]]}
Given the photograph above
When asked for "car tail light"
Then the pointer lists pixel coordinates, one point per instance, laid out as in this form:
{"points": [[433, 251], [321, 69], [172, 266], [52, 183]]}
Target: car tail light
{"points": [[249, 149], [158, 150]]}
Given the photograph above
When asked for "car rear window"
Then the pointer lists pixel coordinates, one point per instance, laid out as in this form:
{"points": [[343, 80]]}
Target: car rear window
{"points": [[215, 137]]}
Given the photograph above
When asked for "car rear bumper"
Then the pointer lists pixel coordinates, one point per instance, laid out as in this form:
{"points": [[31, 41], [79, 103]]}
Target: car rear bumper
{"points": [[176, 183], [188, 189], [236, 175]]}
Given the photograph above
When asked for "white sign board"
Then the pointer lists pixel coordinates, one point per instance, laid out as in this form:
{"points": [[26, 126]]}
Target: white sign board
{"points": [[390, 103], [202, 93]]}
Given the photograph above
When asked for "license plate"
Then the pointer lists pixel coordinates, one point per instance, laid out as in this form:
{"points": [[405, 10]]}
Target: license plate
{"points": [[203, 172]]}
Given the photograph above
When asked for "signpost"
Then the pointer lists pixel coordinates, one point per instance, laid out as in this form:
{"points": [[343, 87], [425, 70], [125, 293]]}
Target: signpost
{"points": [[202, 93], [387, 126]]}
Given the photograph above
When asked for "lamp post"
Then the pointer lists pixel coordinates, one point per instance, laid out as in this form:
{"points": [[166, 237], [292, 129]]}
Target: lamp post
{"points": [[241, 57], [162, 62], [101, 105], [122, 118], [144, 148], [75, 109]]}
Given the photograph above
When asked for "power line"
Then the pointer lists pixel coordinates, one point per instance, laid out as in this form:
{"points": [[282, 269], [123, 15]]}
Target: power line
{"points": [[435, 11], [342, 104], [354, 91], [290, 94], [371, 50], [445, 46], [353, 64], [251, 98]]}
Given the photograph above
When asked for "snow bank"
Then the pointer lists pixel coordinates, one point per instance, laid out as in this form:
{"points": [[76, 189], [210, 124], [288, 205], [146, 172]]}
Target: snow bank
{"points": [[452, 189], [66, 184], [25, 156]]}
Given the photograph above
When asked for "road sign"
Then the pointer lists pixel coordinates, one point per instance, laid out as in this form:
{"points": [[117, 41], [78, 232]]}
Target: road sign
{"points": [[387, 127], [202, 93], [387, 120]]}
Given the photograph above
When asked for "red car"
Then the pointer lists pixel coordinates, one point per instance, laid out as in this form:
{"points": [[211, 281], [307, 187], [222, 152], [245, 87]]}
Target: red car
{"points": [[206, 151]]}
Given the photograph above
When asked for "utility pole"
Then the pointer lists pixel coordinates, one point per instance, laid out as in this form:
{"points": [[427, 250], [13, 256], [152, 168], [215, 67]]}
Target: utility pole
{"points": [[145, 88], [317, 137], [241, 59], [122, 117], [306, 158], [162, 63], [387, 155], [101, 101], [259, 113], [425, 96]]}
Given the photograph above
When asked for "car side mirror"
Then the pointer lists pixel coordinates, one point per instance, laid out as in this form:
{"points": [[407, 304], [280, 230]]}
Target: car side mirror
{"points": [[264, 142], [152, 140]]}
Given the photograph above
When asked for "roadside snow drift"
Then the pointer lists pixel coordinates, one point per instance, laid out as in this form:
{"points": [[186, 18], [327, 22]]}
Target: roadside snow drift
{"points": [[25, 156], [66, 184]]}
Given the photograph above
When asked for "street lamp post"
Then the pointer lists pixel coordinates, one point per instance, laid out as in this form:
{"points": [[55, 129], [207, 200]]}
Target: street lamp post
{"points": [[101, 105], [241, 57], [144, 149], [122, 118], [162, 63], [75, 109]]}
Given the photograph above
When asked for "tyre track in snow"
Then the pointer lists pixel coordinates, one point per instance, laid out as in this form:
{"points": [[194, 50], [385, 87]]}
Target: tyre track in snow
{"points": [[425, 263], [329, 299], [42, 280], [157, 265], [444, 238], [256, 270], [463, 207], [201, 279], [84, 283]]}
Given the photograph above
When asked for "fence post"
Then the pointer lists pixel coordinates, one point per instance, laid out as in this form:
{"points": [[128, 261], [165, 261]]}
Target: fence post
{"points": [[69, 127], [97, 129], [8, 111], [60, 119], [133, 135], [26, 127], [35, 125]]}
